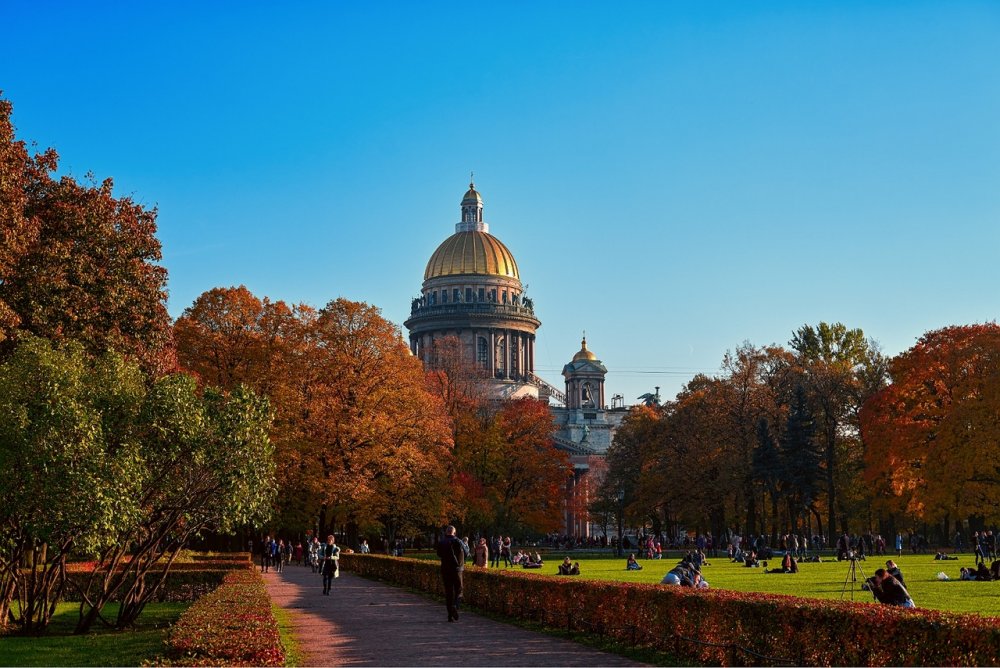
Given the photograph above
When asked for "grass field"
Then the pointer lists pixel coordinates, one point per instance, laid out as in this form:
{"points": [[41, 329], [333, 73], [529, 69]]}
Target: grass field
{"points": [[822, 580], [59, 647]]}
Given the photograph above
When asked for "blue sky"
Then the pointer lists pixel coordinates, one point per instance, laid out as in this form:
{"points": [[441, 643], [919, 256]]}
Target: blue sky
{"points": [[673, 177]]}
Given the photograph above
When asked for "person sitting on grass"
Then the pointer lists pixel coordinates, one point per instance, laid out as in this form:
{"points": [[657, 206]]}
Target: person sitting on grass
{"points": [[892, 569], [788, 565], [995, 569], [569, 568], [632, 564], [530, 561], [983, 574], [888, 590], [750, 560]]}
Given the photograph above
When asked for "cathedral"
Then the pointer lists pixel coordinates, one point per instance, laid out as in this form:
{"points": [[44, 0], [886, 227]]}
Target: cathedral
{"points": [[472, 290]]}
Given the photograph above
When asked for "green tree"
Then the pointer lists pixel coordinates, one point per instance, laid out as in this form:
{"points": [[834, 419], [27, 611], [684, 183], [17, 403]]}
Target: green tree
{"points": [[801, 458], [71, 464], [205, 463], [841, 369]]}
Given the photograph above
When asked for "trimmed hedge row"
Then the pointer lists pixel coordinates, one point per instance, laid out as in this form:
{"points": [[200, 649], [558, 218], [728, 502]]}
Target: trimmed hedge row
{"points": [[187, 580], [714, 626], [232, 626]]}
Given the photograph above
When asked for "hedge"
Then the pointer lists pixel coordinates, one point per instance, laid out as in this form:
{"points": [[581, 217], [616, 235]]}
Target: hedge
{"points": [[187, 581], [232, 626], [715, 626]]}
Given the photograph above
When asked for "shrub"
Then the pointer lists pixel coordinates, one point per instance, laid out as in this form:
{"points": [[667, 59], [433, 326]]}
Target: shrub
{"points": [[190, 577], [232, 626], [713, 626]]}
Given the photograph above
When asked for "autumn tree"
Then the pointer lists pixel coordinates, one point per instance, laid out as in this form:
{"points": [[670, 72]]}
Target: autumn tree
{"points": [[360, 441], [76, 262], [633, 487], [932, 433], [507, 472]]}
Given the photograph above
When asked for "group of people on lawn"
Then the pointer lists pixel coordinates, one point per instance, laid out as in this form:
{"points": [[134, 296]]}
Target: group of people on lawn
{"points": [[981, 573]]}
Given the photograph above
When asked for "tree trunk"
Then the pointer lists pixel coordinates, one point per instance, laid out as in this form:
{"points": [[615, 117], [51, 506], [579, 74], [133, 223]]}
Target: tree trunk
{"points": [[831, 492]]}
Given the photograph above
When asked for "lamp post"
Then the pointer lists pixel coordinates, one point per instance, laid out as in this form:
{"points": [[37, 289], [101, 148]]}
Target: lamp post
{"points": [[621, 507]]}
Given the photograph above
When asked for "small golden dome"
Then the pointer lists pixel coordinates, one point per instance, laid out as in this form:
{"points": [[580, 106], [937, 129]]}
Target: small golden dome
{"points": [[471, 252], [584, 354], [472, 194]]}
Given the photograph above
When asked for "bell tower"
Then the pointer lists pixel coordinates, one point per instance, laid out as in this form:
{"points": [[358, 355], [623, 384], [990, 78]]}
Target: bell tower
{"points": [[585, 383]]}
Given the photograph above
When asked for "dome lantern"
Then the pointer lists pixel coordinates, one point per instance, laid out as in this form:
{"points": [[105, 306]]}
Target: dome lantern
{"points": [[472, 211]]}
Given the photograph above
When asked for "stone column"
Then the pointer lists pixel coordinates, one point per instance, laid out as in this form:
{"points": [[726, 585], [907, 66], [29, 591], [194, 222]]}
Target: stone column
{"points": [[493, 354]]}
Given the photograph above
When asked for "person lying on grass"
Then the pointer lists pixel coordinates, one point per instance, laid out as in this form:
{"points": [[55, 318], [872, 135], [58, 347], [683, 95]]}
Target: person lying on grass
{"points": [[685, 574]]}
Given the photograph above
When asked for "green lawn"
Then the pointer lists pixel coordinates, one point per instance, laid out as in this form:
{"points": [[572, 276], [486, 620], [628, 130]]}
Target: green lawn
{"points": [[59, 647], [823, 580]]}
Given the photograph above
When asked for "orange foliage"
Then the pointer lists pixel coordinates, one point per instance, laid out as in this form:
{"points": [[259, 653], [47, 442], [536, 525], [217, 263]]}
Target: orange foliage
{"points": [[359, 438], [932, 434], [75, 261], [507, 470]]}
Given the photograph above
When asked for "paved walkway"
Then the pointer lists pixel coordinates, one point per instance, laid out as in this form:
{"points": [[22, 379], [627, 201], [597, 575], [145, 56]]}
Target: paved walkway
{"points": [[367, 623]]}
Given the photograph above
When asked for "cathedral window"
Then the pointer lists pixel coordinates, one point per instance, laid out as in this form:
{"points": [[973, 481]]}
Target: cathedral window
{"points": [[456, 295], [482, 294], [468, 294], [482, 352], [444, 296], [493, 295]]}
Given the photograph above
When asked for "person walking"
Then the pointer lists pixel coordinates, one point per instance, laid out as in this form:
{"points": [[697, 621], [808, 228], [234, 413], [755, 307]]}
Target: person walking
{"points": [[452, 556], [277, 554], [495, 551], [331, 568], [265, 554]]}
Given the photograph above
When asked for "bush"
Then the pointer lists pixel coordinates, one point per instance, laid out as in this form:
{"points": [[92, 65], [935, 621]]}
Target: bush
{"points": [[191, 576], [231, 626], [713, 626]]}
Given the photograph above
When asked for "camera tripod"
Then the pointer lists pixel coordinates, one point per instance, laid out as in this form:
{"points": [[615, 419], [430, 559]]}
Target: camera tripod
{"points": [[852, 577]]}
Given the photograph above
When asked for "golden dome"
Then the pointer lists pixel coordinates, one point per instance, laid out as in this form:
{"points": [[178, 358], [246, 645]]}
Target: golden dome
{"points": [[471, 252], [584, 354], [472, 194]]}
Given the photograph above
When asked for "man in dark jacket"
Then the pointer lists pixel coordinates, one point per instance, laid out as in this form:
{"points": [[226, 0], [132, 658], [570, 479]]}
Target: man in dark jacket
{"points": [[452, 556], [889, 590]]}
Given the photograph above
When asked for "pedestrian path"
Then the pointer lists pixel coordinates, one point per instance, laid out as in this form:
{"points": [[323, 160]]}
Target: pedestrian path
{"points": [[367, 623]]}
